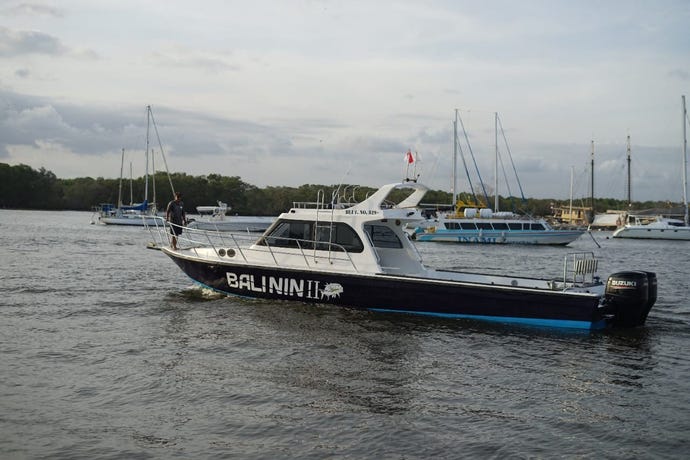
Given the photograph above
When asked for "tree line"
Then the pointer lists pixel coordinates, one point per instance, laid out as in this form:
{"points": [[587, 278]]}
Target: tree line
{"points": [[22, 187]]}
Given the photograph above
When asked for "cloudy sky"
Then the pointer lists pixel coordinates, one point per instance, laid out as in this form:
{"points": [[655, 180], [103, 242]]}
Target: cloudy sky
{"points": [[307, 91]]}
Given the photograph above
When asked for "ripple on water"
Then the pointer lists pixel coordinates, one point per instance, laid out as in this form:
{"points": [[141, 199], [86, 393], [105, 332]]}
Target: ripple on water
{"points": [[109, 351]]}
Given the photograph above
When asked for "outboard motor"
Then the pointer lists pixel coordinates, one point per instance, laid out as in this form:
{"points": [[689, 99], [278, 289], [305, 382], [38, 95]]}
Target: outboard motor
{"points": [[627, 297]]}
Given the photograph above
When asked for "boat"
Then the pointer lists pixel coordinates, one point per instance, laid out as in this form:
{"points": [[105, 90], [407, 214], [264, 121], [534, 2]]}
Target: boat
{"points": [[357, 255], [139, 215], [663, 228], [216, 218], [471, 223], [656, 228], [483, 226], [135, 214]]}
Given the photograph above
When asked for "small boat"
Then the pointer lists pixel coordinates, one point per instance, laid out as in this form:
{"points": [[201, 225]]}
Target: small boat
{"points": [[358, 255], [663, 228], [215, 218]]}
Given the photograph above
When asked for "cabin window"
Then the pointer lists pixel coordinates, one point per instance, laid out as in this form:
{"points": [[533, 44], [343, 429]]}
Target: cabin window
{"points": [[382, 236], [468, 226], [537, 227], [484, 226], [287, 234], [305, 234], [500, 226], [515, 225], [339, 233], [452, 225]]}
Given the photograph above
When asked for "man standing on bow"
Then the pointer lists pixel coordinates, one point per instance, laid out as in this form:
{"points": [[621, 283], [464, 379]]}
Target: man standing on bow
{"points": [[175, 215]]}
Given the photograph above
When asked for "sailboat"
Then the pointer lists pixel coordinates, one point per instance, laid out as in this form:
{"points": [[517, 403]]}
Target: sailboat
{"points": [[663, 228], [470, 223], [136, 214]]}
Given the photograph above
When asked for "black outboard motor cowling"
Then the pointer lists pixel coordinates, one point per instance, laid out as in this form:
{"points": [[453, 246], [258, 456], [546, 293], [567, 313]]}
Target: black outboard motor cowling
{"points": [[627, 297]]}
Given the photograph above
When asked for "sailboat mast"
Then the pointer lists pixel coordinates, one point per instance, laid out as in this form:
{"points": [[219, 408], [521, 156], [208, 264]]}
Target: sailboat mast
{"points": [[592, 190], [496, 162], [455, 159], [153, 177], [685, 161], [119, 189], [570, 209], [131, 191], [146, 181], [629, 180]]}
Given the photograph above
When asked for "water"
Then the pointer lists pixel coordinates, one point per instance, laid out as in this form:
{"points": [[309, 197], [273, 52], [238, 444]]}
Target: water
{"points": [[108, 351]]}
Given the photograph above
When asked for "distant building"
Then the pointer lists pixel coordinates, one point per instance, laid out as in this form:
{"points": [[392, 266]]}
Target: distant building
{"points": [[575, 216]]}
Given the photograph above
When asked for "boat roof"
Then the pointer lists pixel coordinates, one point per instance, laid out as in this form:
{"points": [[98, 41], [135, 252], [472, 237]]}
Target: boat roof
{"points": [[376, 206]]}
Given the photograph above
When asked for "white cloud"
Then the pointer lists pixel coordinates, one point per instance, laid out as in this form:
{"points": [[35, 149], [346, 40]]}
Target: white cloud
{"points": [[20, 42], [293, 92]]}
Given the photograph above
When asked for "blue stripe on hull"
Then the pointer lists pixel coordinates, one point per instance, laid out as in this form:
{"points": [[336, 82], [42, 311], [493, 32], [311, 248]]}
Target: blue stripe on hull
{"points": [[506, 319]]}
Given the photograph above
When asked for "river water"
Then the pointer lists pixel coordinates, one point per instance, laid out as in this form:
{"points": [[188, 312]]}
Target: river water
{"points": [[108, 351]]}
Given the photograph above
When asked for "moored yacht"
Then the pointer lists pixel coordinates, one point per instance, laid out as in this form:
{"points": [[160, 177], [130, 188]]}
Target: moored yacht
{"points": [[659, 228], [483, 226], [663, 228]]}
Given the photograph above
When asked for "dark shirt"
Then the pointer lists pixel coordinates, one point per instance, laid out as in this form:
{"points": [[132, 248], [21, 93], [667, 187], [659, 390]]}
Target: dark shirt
{"points": [[175, 212]]}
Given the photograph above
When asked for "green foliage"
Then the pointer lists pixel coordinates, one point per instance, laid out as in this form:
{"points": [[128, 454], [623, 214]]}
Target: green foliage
{"points": [[22, 187]]}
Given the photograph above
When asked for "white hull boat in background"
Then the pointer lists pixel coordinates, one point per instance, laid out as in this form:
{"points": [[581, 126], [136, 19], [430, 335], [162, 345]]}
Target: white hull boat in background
{"points": [[663, 228]]}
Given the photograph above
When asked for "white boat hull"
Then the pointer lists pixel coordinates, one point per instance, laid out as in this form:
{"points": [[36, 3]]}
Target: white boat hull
{"points": [[645, 232]]}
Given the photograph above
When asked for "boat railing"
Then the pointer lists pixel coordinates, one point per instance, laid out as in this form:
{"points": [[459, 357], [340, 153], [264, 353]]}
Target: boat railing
{"points": [[229, 244], [333, 252], [580, 268], [319, 205]]}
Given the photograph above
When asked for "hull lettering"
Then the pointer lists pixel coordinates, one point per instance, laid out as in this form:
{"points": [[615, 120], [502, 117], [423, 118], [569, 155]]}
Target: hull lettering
{"points": [[283, 286]]}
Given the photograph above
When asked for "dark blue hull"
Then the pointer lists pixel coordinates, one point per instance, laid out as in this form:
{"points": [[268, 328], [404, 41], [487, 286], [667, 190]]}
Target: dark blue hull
{"points": [[402, 294]]}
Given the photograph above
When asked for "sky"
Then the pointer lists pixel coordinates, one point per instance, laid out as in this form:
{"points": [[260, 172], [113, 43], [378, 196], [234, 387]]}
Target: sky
{"points": [[293, 92]]}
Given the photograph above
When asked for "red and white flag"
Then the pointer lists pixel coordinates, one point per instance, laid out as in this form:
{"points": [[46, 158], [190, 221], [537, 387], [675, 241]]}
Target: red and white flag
{"points": [[409, 157]]}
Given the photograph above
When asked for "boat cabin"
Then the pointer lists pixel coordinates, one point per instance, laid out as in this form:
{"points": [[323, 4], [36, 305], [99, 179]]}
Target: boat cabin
{"points": [[368, 235]]}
